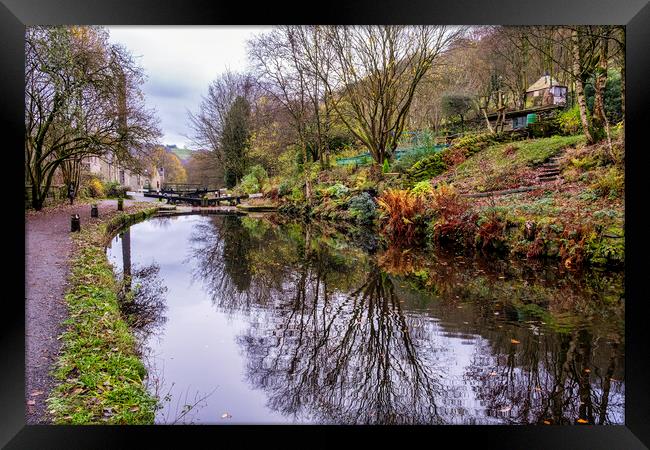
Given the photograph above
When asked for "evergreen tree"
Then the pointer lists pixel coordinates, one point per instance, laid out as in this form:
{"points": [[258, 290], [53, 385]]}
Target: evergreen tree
{"points": [[235, 140]]}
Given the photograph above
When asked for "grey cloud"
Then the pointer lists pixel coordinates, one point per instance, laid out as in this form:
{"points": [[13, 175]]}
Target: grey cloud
{"points": [[168, 88]]}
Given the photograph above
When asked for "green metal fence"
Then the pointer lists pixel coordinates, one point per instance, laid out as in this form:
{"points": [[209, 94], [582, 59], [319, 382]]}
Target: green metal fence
{"points": [[365, 158]]}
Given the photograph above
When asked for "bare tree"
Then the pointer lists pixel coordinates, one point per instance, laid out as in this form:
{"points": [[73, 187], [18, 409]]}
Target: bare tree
{"points": [[375, 74], [282, 73], [82, 98]]}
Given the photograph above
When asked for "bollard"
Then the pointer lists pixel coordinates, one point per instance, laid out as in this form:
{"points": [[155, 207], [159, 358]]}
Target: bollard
{"points": [[75, 223], [120, 204], [93, 211]]}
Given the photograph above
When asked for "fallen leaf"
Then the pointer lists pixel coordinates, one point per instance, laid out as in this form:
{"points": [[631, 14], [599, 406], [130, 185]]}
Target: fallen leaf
{"points": [[546, 422], [77, 391], [587, 370], [492, 374], [514, 341], [31, 402], [35, 393], [506, 409], [582, 421], [134, 409]]}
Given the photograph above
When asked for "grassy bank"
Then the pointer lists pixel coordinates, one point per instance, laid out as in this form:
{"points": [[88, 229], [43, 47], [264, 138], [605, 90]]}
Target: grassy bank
{"points": [[99, 373], [578, 221]]}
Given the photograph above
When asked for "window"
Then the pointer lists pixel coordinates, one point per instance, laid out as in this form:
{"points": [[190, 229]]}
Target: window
{"points": [[518, 122]]}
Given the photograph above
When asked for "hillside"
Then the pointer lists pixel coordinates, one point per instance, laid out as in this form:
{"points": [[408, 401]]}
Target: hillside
{"points": [[546, 197], [182, 153]]}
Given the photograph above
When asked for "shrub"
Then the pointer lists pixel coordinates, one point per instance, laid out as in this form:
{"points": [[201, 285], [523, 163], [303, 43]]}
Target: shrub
{"points": [[543, 128], [569, 121], [363, 180], [337, 191], [584, 163], [607, 248], [454, 221], [402, 216], [447, 202], [411, 157], [490, 234], [611, 183], [385, 168], [254, 180], [260, 173], [427, 168], [113, 189], [284, 188], [362, 208], [297, 194], [95, 188], [249, 184], [573, 247], [476, 142], [422, 188]]}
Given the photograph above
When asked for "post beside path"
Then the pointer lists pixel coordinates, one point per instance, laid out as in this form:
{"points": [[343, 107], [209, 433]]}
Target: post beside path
{"points": [[75, 223]]}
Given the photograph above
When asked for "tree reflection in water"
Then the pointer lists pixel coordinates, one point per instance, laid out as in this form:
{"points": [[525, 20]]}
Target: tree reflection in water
{"points": [[341, 359], [142, 293], [340, 336]]}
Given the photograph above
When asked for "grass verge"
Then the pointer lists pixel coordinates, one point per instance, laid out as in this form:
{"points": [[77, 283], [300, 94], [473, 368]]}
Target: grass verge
{"points": [[99, 374], [509, 165]]}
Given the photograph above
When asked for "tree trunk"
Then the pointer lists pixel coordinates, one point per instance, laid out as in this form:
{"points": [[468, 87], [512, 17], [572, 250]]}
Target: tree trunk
{"points": [[600, 122], [623, 84], [604, 54], [37, 200], [580, 90], [305, 165], [71, 171], [487, 121]]}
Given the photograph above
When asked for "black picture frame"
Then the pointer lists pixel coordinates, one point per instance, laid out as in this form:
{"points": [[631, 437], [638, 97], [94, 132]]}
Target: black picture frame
{"points": [[16, 14]]}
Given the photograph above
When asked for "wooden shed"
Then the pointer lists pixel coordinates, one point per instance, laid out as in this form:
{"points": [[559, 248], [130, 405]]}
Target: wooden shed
{"points": [[545, 92]]}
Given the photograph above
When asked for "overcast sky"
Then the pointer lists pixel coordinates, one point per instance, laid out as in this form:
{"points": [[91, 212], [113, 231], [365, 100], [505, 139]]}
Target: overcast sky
{"points": [[180, 62]]}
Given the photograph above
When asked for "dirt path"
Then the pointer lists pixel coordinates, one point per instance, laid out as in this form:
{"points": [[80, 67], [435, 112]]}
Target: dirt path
{"points": [[48, 248]]}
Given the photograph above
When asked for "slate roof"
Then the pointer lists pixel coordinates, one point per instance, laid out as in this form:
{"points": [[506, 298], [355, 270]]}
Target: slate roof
{"points": [[544, 82]]}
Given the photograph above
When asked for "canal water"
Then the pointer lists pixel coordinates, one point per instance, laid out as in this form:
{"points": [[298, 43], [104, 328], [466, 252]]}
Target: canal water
{"points": [[256, 321]]}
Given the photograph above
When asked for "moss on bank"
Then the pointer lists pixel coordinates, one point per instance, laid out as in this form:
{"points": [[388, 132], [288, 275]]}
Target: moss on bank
{"points": [[99, 372]]}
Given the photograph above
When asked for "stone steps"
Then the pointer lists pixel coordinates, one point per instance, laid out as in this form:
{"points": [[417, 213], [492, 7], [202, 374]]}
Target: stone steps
{"points": [[550, 170]]}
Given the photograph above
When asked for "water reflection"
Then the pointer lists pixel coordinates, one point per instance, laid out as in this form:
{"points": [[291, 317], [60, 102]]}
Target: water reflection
{"points": [[142, 292], [342, 359], [330, 333]]}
